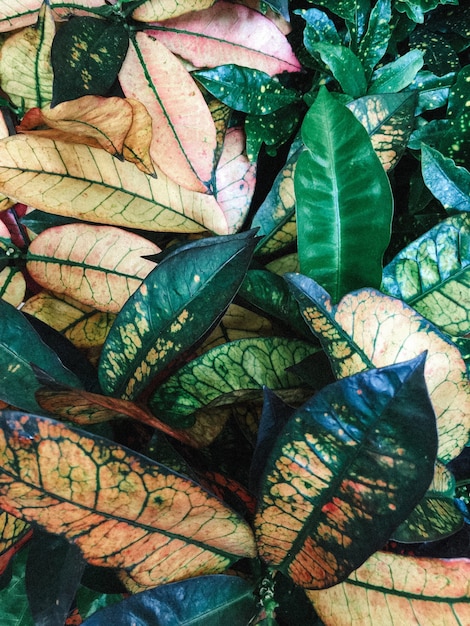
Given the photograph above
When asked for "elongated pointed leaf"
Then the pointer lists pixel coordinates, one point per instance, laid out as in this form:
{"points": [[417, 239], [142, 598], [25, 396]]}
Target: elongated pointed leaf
{"points": [[342, 195], [100, 266], [119, 508], [228, 33], [345, 67], [449, 183], [432, 274], [374, 44], [400, 589], [349, 466], [434, 518], [89, 184], [398, 74], [14, 534], [176, 304], [369, 329]]}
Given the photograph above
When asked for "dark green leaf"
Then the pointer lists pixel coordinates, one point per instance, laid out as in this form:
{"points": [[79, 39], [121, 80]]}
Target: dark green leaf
{"points": [[375, 41], [319, 27], [398, 74], [439, 56], [273, 129], [416, 9], [345, 67], [14, 607], [433, 91], [448, 183], [434, 518]]}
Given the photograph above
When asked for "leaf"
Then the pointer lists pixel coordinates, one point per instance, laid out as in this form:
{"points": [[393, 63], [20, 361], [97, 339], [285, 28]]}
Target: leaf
{"points": [[432, 275], [369, 329], [342, 193], [449, 183], [12, 282], [14, 607], [345, 67], [207, 600], [119, 508], [402, 588], [14, 534], [25, 66], [375, 41], [175, 305], [155, 10], [434, 518], [349, 466], [100, 266], [238, 369], [86, 56], [183, 131], [226, 33], [19, 13], [273, 130], [318, 28], [440, 56], [88, 183], [398, 74]]}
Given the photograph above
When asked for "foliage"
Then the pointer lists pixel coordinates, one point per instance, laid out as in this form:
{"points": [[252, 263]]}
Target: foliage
{"points": [[234, 243]]}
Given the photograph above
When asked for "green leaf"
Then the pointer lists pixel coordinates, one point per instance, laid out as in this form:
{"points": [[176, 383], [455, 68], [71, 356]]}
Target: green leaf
{"points": [[432, 274], [434, 518], [14, 607], [87, 54], [344, 8], [349, 467], [433, 91], [345, 66], [273, 130], [174, 307], [449, 183], [342, 195], [246, 89], [202, 601], [416, 9], [398, 74], [319, 28], [375, 41], [439, 55]]}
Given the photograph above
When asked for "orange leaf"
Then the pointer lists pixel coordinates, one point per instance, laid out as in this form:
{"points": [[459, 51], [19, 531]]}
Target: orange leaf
{"points": [[14, 533], [138, 140]]}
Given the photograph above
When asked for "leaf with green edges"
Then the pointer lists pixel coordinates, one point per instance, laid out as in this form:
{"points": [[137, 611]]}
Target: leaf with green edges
{"points": [[447, 182]]}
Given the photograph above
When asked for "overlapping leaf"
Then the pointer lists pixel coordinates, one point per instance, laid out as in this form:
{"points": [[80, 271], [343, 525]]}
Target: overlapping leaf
{"points": [[155, 10], [12, 282], [119, 508], [89, 184], [369, 329], [448, 183], [19, 13], [398, 74], [100, 266], [347, 468], [401, 590], [14, 533]]}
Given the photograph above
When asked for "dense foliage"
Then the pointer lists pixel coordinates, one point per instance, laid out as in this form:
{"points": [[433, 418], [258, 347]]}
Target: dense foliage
{"points": [[235, 309]]}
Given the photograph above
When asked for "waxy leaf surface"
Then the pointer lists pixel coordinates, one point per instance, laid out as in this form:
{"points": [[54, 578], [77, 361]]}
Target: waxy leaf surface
{"points": [[348, 467], [369, 329], [100, 266], [399, 589], [398, 74], [89, 184], [449, 183], [119, 508], [175, 306]]}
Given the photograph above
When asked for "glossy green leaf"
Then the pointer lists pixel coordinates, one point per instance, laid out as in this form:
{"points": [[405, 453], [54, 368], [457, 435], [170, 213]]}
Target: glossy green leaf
{"points": [[349, 466], [398, 74], [417, 9], [432, 274], [449, 183], [342, 195], [440, 56], [238, 369], [369, 329], [272, 130], [433, 91], [319, 27], [344, 8], [202, 601], [375, 41], [345, 67], [86, 56], [175, 305], [14, 607]]}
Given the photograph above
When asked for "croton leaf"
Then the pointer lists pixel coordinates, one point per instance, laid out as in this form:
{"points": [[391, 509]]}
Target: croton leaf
{"points": [[375, 41], [14, 534], [155, 10], [342, 195], [398, 74], [12, 281], [25, 65], [348, 467], [449, 183], [319, 27], [434, 518], [369, 329], [432, 274], [228, 33], [345, 66], [88, 183], [59, 259], [176, 304], [273, 130], [400, 589], [19, 13], [120, 509]]}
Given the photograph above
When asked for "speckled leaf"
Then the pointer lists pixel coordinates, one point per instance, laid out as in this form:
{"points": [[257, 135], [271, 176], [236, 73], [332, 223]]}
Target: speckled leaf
{"points": [[321, 515], [89, 184], [272, 130], [432, 274], [20, 13], [401, 590], [25, 65], [433, 91], [120, 509], [155, 10], [369, 329], [389, 119], [375, 41], [345, 67], [440, 56], [398, 74], [435, 518], [228, 33], [447, 182], [417, 9], [176, 305], [12, 281], [318, 27]]}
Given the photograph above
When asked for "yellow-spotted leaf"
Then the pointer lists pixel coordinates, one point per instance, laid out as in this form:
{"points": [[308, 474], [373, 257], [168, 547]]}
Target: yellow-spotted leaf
{"points": [[183, 136], [121, 509], [369, 329], [228, 33], [25, 66], [221, 114], [12, 282], [16, 14], [235, 180], [89, 184], [348, 466], [155, 10], [100, 266], [14, 533], [393, 590]]}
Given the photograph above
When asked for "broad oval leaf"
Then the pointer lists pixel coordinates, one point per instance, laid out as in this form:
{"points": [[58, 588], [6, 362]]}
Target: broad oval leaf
{"points": [[176, 304], [121, 509], [400, 589], [347, 468], [449, 183], [100, 266], [369, 329], [89, 184], [342, 195]]}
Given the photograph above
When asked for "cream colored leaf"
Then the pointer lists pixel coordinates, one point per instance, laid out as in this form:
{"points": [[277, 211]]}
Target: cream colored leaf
{"points": [[156, 10]]}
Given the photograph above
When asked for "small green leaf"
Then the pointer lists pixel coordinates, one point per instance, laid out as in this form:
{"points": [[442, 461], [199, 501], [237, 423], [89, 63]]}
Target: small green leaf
{"points": [[345, 66], [448, 183], [398, 74], [375, 41]]}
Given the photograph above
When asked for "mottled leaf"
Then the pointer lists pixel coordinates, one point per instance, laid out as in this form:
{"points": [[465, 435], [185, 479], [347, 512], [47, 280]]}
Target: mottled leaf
{"points": [[348, 467], [319, 27], [375, 41], [435, 518], [272, 130], [449, 183], [20, 13], [119, 508], [398, 74], [12, 282], [14, 534], [440, 56]]}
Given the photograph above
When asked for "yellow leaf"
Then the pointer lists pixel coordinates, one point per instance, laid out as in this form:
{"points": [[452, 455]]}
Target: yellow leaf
{"points": [[154, 10]]}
